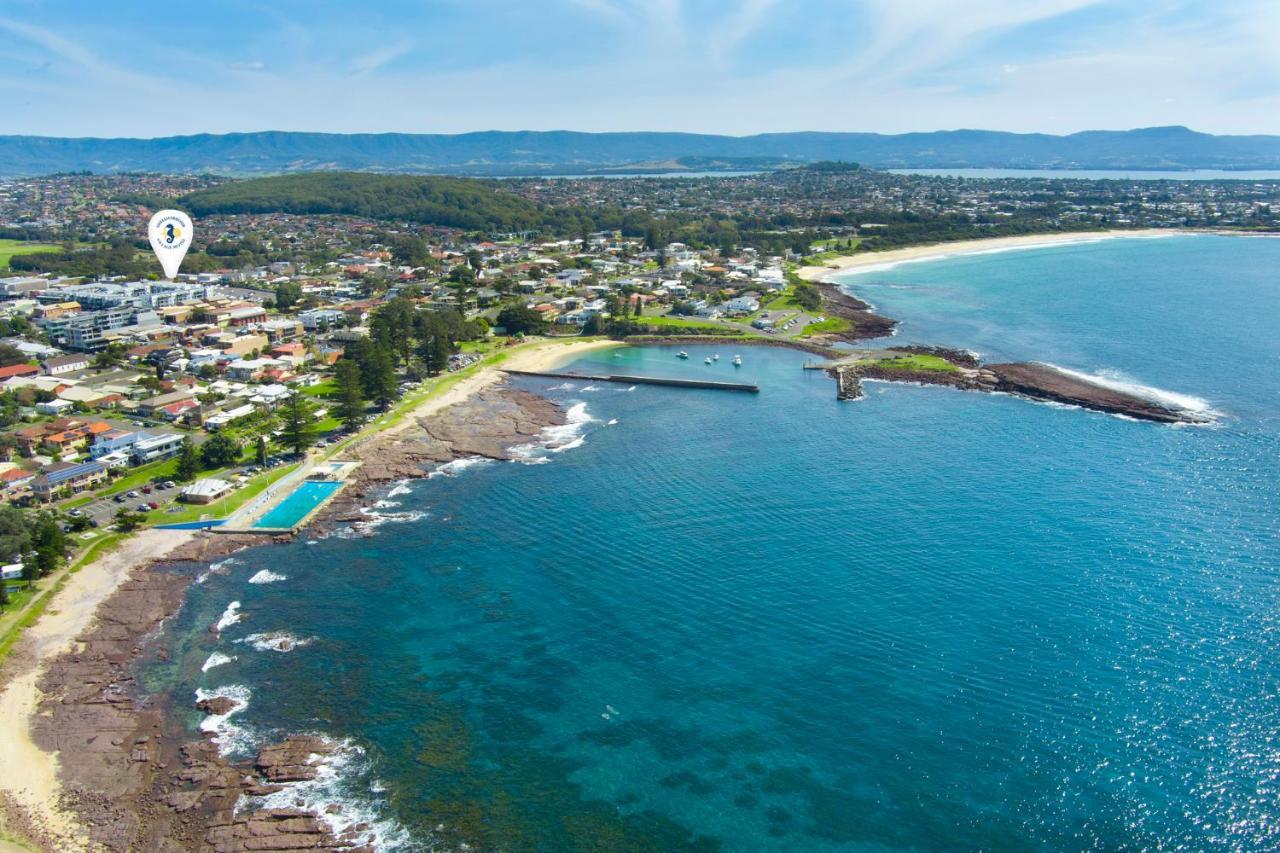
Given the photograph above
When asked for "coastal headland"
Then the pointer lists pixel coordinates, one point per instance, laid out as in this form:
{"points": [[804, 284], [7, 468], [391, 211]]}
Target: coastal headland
{"points": [[940, 365]]}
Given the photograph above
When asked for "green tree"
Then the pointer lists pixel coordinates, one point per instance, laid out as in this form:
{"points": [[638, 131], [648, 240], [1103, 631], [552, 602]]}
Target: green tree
{"points": [[288, 294], [220, 451], [521, 320], [261, 453], [188, 461], [127, 521], [379, 378], [49, 543], [299, 419], [349, 395], [433, 347]]}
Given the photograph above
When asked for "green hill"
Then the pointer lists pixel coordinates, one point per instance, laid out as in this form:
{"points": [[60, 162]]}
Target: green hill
{"points": [[430, 200]]}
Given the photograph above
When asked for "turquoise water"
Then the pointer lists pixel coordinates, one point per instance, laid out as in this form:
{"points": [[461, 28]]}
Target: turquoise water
{"points": [[298, 505], [926, 619]]}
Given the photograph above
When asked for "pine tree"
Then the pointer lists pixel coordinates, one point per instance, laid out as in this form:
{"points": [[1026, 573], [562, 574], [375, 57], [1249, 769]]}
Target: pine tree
{"points": [[299, 418], [350, 395], [380, 377], [262, 451], [188, 461]]}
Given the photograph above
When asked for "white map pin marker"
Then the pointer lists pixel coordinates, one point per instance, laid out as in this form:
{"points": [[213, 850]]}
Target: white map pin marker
{"points": [[170, 232]]}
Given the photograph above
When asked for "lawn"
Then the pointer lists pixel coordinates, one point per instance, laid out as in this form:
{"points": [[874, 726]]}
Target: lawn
{"points": [[829, 326], [9, 248], [667, 320], [916, 362]]}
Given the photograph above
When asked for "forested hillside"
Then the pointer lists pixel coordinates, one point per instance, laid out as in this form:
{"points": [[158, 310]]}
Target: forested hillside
{"points": [[429, 200]]}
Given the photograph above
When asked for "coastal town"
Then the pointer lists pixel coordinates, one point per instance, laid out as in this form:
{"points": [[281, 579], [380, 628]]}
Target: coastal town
{"points": [[129, 400], [301, 360]]}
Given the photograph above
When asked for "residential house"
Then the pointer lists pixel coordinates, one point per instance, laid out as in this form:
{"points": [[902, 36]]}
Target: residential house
{"points": [[74, 477], [65, 364]]}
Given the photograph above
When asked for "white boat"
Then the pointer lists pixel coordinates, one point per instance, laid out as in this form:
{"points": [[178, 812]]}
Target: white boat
{"points": [[715, 357], [737, 361], [707, 359], [682, 354]]}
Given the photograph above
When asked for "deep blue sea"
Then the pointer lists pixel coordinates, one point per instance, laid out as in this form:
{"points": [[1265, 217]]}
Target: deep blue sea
{"points": [[927, 619]]}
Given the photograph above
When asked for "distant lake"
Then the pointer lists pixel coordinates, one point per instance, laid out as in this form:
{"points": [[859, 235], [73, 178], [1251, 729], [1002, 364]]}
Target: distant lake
{"points": [[725, 174], [1101, 174]]}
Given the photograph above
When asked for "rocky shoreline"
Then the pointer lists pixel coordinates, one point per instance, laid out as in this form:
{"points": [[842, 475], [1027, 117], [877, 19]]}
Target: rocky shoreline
{"points": [[129, 773], [1032, 380]]}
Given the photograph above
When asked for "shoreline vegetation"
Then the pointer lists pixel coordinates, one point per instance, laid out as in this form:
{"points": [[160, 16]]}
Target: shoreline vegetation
{"points": [[85, 761]]}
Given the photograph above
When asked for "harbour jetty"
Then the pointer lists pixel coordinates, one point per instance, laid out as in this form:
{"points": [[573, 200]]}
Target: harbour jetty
{"points": [[643, 380]]}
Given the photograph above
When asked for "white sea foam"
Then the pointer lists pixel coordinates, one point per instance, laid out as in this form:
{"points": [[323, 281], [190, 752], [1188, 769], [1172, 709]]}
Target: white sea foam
{"points": [[229, 737], [555, 439], [590, 388], [385, 504], [229, 617], [218, 568], [339, 781], [563, 386], [1117, 381], [275, 641], [457, 466], [400, 488], [267, 576], [611, 422], [374, 519], [216, 659]]}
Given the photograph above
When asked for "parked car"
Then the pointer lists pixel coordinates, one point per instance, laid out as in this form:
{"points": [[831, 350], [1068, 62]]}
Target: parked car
{"points": [[119, 499], [133, 494], [143, 507], [169, 484], [153, 504], [146, 490]]}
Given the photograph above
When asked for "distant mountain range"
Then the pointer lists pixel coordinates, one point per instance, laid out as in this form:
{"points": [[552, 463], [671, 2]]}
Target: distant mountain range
{"points": [[568, 152]]}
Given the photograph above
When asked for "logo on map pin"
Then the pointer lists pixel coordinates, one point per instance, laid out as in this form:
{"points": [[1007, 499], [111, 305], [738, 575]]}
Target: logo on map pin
{"points": [[170, 232]]}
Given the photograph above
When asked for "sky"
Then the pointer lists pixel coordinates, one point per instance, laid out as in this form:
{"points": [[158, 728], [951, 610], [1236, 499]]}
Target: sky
{"points": [[143, 69]]}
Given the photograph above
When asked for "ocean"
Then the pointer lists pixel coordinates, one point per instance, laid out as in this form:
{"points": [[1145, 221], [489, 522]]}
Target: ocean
{"points": [[924, 619]]}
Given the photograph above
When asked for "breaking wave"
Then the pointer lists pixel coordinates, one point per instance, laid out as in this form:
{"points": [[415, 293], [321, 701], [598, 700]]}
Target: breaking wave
{"points": [[228, 736], [360, 815], [229, 617], [275, 641], [216, 659], [267, 576], [1117, 381]]}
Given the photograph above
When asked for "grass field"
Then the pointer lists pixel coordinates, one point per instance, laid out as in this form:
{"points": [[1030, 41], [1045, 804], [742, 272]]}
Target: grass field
{"points": [[917, 362], [682, 323], [9, 248]]}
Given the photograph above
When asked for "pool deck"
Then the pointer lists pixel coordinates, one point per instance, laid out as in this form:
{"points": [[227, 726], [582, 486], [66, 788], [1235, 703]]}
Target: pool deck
{"points": [[244, 519]]}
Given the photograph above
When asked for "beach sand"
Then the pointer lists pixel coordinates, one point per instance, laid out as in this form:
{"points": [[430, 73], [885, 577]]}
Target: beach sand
{"points": [[967, 247], [28, 775]]}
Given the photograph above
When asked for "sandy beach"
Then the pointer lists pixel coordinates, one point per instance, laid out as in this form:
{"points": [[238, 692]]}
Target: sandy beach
{"points": [[29, 775], [968, 247]]}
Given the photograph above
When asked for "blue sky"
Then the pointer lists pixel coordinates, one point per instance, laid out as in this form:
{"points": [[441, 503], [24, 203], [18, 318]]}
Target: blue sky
{"points": [[124, 68]]}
